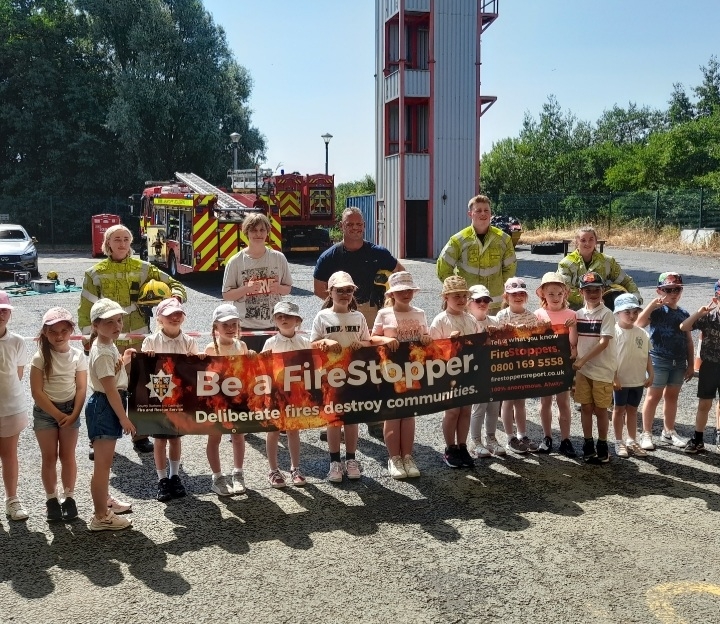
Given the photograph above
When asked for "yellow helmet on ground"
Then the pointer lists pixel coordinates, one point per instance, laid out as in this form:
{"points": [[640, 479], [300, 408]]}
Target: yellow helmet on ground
{"points": [[52, 275], [154, 291]]}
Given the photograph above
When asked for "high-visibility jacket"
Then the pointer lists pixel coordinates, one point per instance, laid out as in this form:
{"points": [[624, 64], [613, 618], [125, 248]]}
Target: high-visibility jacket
{"points": [[122, 282], [489, 263], [572, 267]]}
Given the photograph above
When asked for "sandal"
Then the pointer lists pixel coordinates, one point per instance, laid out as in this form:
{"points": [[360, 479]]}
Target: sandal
{"points": [[297, 477], [276, 479]]}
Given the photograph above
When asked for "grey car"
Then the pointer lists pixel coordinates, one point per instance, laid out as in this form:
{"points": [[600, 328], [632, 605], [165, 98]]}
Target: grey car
{"points": [[17, 250]]}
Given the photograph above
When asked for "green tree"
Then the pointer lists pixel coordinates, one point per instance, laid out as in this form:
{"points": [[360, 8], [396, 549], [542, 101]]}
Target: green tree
{"points": [[680, 107], [628, 126], [364, 186], [708, 92]]}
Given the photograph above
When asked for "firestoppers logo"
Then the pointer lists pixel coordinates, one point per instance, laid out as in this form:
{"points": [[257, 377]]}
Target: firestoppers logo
{"points": [[161, 385]]}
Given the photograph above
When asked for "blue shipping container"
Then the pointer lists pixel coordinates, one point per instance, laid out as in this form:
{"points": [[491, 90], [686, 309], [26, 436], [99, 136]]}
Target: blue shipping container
{"points": [[366, 203]]}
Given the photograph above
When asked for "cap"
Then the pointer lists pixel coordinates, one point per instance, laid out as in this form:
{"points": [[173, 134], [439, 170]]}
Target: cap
{"points": [[670, 279], [5, 301], [340, 279], [479, 292], [402, 280], [626, 301], [591, 280], [169, 306], [454, 284], [551, 278], [105, 308], [225, 312], [515, 285], [288, 308], [56, 315]]}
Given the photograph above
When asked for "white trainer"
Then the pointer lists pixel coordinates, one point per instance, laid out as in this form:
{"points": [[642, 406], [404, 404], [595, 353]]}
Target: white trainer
{"points": [[14, 509], [410, 466], [646, 442], [492, 445], [335, 475], [671, 436], [222, 486], [396, 468]]}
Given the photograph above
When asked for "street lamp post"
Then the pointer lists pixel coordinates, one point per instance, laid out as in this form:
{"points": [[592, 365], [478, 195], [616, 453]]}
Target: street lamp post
{"points": [[326, 137], [235, 138]]}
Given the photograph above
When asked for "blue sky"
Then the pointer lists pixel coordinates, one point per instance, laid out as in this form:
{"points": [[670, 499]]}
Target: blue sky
{"points": [[312, 64]]}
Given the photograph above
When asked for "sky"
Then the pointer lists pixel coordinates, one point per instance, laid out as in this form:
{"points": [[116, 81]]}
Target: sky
{"points": [[312, 63]]}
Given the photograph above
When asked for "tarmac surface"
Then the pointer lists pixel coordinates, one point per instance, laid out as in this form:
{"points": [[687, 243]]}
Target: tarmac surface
{"points": [[517, 539]]}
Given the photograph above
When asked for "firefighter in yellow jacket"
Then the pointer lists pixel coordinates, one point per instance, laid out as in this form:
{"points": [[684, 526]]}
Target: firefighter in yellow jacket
{"points": [[135, 284], [481, 253]]}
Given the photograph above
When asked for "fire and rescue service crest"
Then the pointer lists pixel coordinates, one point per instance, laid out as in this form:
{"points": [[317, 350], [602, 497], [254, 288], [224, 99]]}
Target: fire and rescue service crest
{"points": [[160, 385]]}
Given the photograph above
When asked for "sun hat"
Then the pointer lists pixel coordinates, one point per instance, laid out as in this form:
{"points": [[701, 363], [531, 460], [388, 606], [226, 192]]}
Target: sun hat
{"points": [[5, 301], [288, 308], [478, 291], [105, 308], [57, 315], [670, 279], [591, 280], [169, 306], [515, 285], [454, 284], [402, 280], [225, 312], [340, 279], [551, 278], [626, 301]]}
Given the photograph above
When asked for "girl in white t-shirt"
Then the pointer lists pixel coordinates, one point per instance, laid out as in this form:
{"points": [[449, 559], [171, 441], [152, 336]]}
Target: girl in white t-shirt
{"points": [[400, 322], [287, 319], [339, 325], [58, 383], [13, 413], [225, 341], [453, 321], [554, 308]]}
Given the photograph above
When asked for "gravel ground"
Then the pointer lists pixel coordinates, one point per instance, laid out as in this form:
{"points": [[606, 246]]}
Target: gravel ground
{"points": [[515, 539]]}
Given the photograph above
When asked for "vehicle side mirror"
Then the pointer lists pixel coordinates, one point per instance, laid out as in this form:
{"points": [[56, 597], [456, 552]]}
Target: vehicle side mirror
{"points": [[34, 240]]}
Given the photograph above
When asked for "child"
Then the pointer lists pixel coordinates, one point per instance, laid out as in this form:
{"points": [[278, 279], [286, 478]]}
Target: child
{"points": [[480, 301], [672, 353], [397, 322], [13, 414], [287, 319], [169, 338], [707, 320], [513, 312], [454, 321], [225, 341], [634, 372], [105, 413], [339, 324], [58, 383], [595, 366], [553, 294]]}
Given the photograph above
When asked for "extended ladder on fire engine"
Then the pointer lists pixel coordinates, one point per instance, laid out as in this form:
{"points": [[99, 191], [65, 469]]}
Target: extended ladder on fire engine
{"points": [[228, 208]]}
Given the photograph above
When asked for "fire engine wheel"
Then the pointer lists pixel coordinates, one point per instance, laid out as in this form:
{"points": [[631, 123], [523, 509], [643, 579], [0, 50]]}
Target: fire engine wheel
{"points": [[172, 265]]}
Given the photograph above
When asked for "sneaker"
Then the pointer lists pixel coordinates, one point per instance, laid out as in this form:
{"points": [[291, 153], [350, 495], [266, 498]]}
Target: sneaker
{"points": [[396, 468], [336, 472], [634, 448], [673, 438], [589, 450], [529, 444], [297, 477], [222, 486], [111, 522], [480, 452], [14, 509], [177, 489], [118, 506], [352, 468], [410, 466], [143, 445], [603, 451], [621, 450], [694, 447], [238, 482], [69, 509], [567, 449], [465, 457], [515, 445], [492, 445], [276, 479], [452, 457], [646, 442], [164, 493], [545, 446], [54, 511]]}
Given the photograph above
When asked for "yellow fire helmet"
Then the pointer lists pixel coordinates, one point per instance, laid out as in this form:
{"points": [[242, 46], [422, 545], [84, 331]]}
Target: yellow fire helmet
{"points": [[153, 292], [52, 275], [381, 278]]}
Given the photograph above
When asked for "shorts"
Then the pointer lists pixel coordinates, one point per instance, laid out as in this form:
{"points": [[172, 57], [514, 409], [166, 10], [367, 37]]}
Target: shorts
{"points": [[591, 392], [43, 420], [165, 436], [668, 372], [708, 380], [13, 424], [100, 418], [628, 396]]}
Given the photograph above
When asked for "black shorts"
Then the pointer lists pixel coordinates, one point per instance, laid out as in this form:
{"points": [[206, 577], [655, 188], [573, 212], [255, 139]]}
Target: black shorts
{"points": [[708, 380], [628, 396]]}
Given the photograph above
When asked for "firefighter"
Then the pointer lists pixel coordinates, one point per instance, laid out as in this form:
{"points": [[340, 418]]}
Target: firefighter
{"points": [[121, 277]]}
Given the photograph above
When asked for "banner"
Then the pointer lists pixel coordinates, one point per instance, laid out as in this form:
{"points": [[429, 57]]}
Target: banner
{"points": [[171, 394]]}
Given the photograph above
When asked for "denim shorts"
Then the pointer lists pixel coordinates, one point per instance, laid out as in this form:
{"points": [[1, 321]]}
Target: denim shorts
{"points": [[43, 420], [668, 372], [628, 396], [100, 418]]}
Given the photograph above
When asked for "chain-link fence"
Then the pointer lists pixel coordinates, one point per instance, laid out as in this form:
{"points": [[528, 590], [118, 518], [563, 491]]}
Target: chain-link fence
{"points": [[686, 209]]}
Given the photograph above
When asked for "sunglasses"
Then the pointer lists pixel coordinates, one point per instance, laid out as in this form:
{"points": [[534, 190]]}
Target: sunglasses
{"points": [[483, 300], [345, 291], [672, 291], [516, 285]]}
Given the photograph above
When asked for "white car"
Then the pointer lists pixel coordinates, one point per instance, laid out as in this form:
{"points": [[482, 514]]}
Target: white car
{"points": [[17, 250]]}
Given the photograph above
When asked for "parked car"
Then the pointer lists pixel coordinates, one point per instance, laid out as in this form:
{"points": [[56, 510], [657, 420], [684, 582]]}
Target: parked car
{"points": [[17, 250]]}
